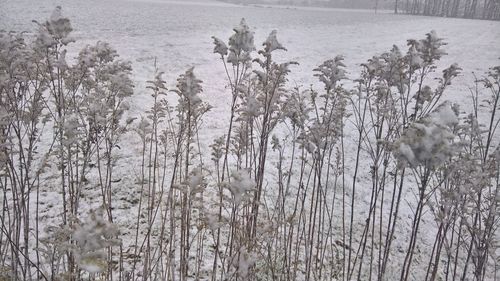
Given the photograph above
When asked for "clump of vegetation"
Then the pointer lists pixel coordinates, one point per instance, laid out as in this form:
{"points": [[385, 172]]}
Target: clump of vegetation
{"points": [[306, 184]]}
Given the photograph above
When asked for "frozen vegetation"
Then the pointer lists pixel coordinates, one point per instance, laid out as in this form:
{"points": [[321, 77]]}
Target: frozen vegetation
{"points": [[347, 159]]}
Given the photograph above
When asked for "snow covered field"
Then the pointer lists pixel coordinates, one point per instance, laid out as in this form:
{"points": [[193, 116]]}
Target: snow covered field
{"points": [[177, 35]]}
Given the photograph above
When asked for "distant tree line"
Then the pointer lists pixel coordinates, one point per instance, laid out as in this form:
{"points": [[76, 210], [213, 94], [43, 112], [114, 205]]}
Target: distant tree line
{"points": [[474, 9], [481, 9]]}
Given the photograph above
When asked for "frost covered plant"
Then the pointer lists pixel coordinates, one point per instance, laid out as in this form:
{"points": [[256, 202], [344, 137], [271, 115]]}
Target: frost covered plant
{"points": [[466, 205], [55, 32], [83, 101], [421, 60], [425, 52], [188, 88], [240, 45], [270, 93], [196, 180], [297, 108], [428, 142], [238, 55], [88, 240], [23, 85], [480, 205], [152, 183], [242, 264], [92, 237], [190, 107], [394, 93], [190, 110], [258, 99], [23, 157], [331, 72], [107, 76], [425, 146], [241, 185], [320, 119], [102, 94], [329, 107], [91, 112]]}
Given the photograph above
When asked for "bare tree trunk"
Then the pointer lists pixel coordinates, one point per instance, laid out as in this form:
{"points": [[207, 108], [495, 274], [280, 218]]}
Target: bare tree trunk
{"points": [[472, 11], [456, 5]]}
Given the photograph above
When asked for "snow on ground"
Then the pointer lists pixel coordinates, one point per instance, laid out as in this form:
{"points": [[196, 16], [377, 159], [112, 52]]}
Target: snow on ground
{"points": [[178, 35]]}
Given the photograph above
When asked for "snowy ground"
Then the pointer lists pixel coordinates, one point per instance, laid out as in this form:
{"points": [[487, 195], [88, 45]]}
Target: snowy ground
{"points": [[178, 34]]}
